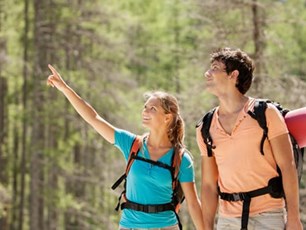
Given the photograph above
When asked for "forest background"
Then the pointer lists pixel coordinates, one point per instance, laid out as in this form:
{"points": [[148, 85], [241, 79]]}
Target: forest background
{"points": [[55, 171]]}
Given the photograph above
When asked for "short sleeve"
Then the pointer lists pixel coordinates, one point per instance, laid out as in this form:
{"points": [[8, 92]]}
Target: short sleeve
{"points": [[187, 169], [123, 141], [275, 122], [200, 142]]}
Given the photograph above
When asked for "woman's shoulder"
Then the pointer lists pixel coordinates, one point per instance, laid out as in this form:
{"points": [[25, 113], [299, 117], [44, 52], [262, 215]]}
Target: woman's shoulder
{"points": [[187, 167], [187, 157], [123, 138]]}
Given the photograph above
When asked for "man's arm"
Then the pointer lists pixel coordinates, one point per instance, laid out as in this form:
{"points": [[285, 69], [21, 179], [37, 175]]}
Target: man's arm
{"points": [[282, 150], [209, 192]]}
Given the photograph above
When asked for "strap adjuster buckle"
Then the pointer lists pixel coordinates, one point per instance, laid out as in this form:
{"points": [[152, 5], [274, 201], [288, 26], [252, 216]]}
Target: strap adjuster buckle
{"points": [[238, 196], [151, 209]]}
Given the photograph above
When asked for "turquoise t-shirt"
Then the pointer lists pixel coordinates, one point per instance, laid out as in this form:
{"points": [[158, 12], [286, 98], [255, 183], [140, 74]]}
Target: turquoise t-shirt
{"points": [[149, 184]]}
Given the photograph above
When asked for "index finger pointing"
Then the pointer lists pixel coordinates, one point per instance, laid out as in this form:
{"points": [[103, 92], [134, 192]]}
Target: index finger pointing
{"points": [[53, 70]]}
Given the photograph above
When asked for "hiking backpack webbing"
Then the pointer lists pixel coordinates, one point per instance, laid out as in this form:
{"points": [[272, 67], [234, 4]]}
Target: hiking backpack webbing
{"points": [[206, 121], [259, 115], [274, 187], [245, 197], [174, 168]]}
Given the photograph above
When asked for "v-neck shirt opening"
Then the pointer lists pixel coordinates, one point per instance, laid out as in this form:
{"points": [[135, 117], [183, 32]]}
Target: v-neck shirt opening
{"points": [[241, 116], [163, 158]]}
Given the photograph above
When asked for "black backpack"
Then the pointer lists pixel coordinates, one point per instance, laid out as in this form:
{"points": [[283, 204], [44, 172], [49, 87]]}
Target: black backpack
{"points": [[275, 187], [177, 195]]}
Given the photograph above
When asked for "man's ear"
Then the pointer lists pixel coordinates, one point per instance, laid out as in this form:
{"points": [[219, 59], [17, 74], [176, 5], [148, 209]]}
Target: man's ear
{"points": [[234, 74]]}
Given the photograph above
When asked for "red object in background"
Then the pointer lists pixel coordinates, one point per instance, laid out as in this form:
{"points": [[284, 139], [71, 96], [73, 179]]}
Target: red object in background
{"points": [[296, 123]]}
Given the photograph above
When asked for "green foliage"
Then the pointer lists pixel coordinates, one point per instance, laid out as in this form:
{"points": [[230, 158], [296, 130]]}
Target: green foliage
{"points": [[111, 53], [286, 39]]}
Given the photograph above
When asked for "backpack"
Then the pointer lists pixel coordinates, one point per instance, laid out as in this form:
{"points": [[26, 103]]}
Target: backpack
{"points": [[275, 187], [177, 195], [259, 115]]}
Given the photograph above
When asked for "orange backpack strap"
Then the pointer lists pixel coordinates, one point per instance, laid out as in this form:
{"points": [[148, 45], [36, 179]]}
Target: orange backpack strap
{"points": [[133, 152], [176, 163]]}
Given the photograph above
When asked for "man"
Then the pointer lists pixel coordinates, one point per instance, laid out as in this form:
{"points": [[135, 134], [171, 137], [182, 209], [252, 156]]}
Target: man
{"points": [[236, 165]]}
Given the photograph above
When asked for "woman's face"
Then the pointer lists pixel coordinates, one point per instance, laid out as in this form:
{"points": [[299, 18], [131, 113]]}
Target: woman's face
{"points": [[153, 114]]}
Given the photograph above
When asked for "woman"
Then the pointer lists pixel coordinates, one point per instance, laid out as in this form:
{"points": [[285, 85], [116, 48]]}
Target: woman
{"points": [[146, 184]]}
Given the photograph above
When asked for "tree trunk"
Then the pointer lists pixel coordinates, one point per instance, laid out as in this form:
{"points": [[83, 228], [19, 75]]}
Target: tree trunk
{"points": [[15, 152], [177, 49], [23, 161], [3, 131], [72, 220], [3, 157], [37, 178], [259, 42]]}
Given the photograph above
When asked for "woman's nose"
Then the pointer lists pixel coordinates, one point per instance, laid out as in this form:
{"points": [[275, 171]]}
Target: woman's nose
{"points": [[145, 110]]}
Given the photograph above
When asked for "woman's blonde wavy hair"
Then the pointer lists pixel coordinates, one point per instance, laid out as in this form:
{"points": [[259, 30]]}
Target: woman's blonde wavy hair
{"points": [[176, 129]]}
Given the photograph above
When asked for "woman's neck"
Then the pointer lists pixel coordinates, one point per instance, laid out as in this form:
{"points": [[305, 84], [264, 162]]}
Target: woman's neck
{"points": [[158, 141]]}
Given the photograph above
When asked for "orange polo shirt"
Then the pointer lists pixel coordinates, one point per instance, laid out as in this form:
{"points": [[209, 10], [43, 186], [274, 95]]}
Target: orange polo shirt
{"points": [[240, 164]]}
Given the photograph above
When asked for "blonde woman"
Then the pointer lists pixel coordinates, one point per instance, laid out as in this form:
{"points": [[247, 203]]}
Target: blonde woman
{"points": [[147, 185]]}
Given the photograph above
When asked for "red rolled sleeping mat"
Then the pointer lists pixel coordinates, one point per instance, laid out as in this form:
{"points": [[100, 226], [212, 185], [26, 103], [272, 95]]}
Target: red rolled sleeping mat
{"points": [[296, 123]]}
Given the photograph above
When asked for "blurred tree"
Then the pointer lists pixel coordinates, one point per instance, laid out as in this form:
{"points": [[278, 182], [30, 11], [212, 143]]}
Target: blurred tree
{"points": [[111, 52]]}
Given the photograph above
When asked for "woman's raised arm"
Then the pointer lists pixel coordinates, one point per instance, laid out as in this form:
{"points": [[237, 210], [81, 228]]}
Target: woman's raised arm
{"points": [[86, 111]]}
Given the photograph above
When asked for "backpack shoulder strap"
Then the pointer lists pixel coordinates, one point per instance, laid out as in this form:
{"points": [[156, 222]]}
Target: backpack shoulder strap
{"points": [[260, 116], [176, 163], [178, 195], [133, 152], [206, 123]]}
